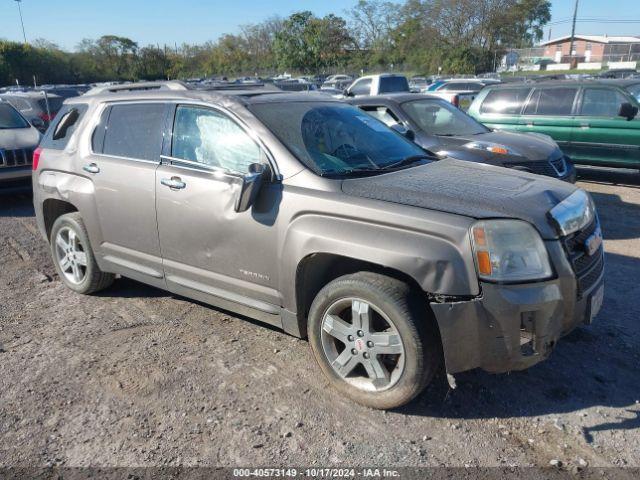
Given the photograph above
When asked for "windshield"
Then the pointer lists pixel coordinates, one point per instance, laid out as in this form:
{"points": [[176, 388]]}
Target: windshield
{"points": [[437, 117], [635, 90], [335, 138], [10, 118]]}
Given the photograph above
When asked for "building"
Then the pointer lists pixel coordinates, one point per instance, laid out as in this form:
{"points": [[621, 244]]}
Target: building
{"points": [[593, 48]]}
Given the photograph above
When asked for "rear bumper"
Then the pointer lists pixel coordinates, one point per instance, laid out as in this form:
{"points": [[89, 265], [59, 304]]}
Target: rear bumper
{"points": [[512, 327]]}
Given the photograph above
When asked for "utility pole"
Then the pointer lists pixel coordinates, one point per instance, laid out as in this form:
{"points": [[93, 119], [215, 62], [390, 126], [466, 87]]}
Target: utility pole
{"points": [[21, 21], [573, 32]]}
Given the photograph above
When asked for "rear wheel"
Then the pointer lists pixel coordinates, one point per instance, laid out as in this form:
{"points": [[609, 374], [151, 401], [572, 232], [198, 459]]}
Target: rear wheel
{"points": [[374, 339], [73, 258]]}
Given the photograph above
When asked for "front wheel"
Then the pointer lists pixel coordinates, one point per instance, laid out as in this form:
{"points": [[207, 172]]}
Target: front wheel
{"points": [[374, 339]]}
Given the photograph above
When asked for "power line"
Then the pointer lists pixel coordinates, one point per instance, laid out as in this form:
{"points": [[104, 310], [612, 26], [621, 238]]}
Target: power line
{"points": [[21, 21]]}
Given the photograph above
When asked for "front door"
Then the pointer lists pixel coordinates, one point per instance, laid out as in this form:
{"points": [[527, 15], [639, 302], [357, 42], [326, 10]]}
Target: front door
{"points": [[601, 137], [211, 252], [122, 166]]}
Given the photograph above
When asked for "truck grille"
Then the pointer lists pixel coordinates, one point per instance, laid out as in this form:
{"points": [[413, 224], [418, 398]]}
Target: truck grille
{"points": [[588, 269], [15, 158], [550, 168]]}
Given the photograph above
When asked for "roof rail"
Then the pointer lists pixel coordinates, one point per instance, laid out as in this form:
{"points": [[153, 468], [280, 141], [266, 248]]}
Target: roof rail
{"points": [[138, 87]]}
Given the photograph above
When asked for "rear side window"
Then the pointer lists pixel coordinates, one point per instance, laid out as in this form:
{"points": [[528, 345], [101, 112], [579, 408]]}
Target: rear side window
{"points": [[383, 114], [507, 101], [62, 128], [600, 102], [393, 84], [135, 131], [552, 101], [635, 90]]}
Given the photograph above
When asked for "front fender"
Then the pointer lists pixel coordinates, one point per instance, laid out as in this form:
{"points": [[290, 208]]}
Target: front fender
{"points": [[441, 263]]}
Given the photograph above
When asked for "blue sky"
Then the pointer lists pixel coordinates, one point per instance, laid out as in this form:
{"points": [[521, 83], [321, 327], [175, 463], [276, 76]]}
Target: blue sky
{"points": [[196, 21]]}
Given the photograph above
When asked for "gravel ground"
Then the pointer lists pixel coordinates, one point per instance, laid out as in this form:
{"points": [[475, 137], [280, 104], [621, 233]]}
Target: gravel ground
{"points": [[135, 376]]}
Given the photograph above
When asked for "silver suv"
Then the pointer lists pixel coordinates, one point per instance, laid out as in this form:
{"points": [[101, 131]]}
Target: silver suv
{"points": [[18, 140], [306, 213]]}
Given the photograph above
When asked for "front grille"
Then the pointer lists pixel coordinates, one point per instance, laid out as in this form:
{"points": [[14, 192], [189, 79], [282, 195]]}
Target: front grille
{"points": [[550, 168], [16, 158], [587, 268]]}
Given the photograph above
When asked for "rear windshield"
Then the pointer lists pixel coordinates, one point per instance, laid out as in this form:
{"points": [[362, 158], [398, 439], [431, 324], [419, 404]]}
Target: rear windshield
{"points": [[635, 90], [62, 128], [505, 100], [55, 104], [393, 84], [10, 118]]}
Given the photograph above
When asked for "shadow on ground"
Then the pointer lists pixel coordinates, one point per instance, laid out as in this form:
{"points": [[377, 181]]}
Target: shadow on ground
{"points": [[18, 205]]}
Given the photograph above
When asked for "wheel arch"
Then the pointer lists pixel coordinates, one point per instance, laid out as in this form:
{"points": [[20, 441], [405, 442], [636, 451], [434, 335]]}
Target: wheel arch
{"points": [[52, 209]]}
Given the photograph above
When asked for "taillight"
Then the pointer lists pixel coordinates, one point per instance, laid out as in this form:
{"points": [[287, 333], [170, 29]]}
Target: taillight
{"points": [[45, 117], [36, 158], [456, 101]]}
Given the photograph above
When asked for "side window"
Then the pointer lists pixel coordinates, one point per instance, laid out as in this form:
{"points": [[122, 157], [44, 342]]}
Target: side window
{"points": [[552, 101], [135, 131], [363, 87], [206, 136], [600, 102], [507, 101], [383, 114], [63, 126]]}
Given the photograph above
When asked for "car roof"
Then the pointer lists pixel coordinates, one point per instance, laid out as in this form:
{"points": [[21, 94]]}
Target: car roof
{"points": [[556, 83], [33, 94], [394, 98]]}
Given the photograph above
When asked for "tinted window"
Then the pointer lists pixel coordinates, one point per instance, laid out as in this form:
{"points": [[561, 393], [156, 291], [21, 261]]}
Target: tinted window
{"points": [[211, 138], [383, 114], [441, 118], [551, 101], [393, 84], [507, 101], [461, 87], [600, 102], [635, 90], [62, 128], [335, 138], [363, 87], [55, 104], [135, 131], [10, 118]]}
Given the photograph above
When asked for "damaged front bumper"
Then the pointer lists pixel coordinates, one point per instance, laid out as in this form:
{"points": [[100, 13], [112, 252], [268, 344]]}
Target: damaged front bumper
{"points": [[512, 327]]}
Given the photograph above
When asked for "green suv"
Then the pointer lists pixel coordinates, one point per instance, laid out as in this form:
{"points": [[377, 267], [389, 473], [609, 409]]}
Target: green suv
{"points": [[594, 122]]}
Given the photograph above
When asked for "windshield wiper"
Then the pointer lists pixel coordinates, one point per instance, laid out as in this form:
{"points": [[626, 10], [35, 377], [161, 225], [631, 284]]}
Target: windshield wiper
{"points": [[408, 161]]}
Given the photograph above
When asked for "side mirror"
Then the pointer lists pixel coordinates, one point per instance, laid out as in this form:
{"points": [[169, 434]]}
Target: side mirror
{"points": [[348, 93], [404, 131], [627, 111], [250, 187], [38, 123]]}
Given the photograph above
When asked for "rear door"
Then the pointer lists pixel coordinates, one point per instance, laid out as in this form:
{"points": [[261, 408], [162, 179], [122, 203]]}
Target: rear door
{"points": [[210, 251], [601, 136], [551, 110], [126, 148]]}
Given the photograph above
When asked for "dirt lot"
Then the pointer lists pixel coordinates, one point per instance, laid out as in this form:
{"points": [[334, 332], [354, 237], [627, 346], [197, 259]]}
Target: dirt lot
{"points": [[138, 377]]}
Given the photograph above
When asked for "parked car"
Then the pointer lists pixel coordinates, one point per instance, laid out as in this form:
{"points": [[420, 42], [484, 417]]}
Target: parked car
{"points": [[37, 107], [338, 82], [618, 73], [594, 122], [18, 140], [461, 92], [377, 85], [419, 84], [306, 213], [445, 130]]}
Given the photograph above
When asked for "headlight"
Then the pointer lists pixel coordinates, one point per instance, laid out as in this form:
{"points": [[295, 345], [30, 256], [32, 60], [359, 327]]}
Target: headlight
{"points": [[574, 213], [509, 251], [491, 147]]}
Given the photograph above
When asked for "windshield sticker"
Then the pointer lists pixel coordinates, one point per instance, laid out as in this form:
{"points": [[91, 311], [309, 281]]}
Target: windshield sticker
{"points": [[373, 123]]}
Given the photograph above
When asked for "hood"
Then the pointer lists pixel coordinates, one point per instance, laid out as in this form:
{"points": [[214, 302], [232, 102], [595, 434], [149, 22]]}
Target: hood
{"points": [[473, 190], [529, 147], [15, 138]]}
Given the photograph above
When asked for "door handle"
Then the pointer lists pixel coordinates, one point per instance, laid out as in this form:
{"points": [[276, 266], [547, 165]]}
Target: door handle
{"points": [[173, 182], [91, 168]]}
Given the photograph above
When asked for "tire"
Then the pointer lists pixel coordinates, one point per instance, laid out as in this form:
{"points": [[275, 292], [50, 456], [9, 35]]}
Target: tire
{"points": [[71, 253], [408, 365]]}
